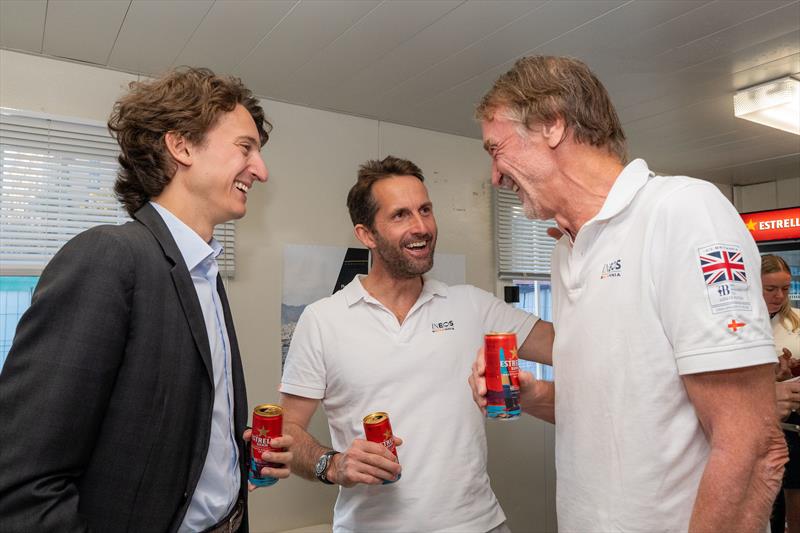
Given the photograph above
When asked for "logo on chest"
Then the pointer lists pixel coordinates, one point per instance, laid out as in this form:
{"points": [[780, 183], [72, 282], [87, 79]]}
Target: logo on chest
{"points": [[438, 327], [612, 269]]}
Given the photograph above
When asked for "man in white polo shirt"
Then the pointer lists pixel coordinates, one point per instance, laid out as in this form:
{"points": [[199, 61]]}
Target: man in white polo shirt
{"points": [[664, 393], [398, 342]]}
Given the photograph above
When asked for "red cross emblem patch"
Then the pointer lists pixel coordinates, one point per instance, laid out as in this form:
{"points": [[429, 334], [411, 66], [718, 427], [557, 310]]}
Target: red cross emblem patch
{"points": [[734, 326]]}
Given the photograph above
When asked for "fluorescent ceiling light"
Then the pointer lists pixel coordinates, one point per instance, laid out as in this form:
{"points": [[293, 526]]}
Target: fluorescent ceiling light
{"points": [[775, 104]]}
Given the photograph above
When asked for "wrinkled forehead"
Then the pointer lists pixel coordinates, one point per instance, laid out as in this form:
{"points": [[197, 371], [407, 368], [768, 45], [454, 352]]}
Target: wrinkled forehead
{"points": [[400, 191]]}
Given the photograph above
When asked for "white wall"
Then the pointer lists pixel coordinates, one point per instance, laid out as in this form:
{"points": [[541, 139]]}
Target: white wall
{"points": [[312, 157], [768, 195]]}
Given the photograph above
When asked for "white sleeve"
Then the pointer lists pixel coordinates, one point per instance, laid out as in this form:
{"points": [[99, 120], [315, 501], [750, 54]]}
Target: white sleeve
{"points": [[501, 317], [304, 372], [707, 282]]}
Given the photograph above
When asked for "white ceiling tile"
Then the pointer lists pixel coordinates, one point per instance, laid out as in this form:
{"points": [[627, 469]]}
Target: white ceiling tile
{"points": [[83, 30], [651, 95], [768, 71], [599, 43], [382, 29], [230, 31], [22, 24], [501, 48], [457, 30], [696, 24], [737, 37], [154, 33], [310, 27]]}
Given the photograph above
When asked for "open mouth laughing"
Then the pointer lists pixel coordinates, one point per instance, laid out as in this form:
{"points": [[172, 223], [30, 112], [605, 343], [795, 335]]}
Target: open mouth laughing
{"points": [[506, 182], [418, 247]]}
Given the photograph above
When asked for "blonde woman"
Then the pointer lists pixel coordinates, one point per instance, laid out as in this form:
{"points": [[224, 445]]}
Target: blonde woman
{"points": [[776, 279]]}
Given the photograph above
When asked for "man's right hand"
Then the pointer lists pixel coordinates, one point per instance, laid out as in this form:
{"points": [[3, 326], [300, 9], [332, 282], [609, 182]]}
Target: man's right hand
{"points": [[536, 398], [365, 462], [477, 381]]}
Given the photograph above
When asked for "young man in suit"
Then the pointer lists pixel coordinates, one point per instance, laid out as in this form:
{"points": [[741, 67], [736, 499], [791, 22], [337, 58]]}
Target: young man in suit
{"points": [[123, 395]]}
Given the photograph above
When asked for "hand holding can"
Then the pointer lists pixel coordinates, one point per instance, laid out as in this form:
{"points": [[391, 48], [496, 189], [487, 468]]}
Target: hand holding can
{"points": [[502, 376], [378, 429], [267, 425]]}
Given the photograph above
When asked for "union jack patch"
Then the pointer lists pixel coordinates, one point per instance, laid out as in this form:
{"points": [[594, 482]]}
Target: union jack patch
{"points": [[723, 266], [725, 278]]}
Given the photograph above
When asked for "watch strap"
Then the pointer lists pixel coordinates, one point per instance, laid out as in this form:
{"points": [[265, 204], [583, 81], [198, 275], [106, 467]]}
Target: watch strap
{"points": [[321, 474]]}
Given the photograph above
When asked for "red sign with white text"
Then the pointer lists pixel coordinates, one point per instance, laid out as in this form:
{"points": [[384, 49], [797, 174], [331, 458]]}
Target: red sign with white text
{"points": [[777, 225]]}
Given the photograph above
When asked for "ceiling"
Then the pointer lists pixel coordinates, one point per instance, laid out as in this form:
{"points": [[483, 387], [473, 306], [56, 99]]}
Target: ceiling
{"points": [[671, 66]]}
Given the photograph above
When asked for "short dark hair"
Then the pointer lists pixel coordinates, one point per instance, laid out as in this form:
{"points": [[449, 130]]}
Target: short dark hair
{"points": [[360, 202], [187, 101], [539, 89]]}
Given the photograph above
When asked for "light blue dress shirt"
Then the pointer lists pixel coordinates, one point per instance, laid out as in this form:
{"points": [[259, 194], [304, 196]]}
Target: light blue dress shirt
{"points": [[218, 487]]}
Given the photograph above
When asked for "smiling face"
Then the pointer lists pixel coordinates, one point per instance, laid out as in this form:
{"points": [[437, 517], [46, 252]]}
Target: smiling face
{"points": [[776, 289], [403, 234], [521, 163], [224, 167]]}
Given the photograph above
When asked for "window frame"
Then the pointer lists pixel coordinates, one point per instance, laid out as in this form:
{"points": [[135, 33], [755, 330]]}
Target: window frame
{"points": [[56, 180]]}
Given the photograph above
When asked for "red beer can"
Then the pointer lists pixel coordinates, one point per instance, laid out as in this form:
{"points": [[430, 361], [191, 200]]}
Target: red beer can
{"points": [[502, 376], [267, 425], [378, 429]]}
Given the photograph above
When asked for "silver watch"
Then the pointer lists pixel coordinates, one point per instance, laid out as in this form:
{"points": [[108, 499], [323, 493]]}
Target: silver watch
{"points": [[322, 465]]}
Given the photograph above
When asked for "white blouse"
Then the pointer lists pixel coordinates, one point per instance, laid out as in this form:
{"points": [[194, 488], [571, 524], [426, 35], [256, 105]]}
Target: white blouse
{"points": [[785, 338]]}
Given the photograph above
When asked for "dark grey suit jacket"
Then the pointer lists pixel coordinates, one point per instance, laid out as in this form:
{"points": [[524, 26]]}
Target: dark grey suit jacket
{"points": [[106, 396]]}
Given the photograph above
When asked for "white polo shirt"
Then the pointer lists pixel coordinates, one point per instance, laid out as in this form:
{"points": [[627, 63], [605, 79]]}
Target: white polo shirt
{"points": [[349, 351], [664, 281]]}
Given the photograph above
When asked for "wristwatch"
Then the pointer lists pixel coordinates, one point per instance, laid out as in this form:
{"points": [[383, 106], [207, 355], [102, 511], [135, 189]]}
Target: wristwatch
{"points": [[322, 465]]}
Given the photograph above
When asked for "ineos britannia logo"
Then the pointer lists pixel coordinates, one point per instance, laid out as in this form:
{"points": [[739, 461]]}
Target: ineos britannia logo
{"points": [[612, 269], [438, 327]]}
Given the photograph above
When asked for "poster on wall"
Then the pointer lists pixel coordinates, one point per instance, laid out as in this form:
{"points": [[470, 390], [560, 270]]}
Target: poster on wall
{"points": [[312, 272]]}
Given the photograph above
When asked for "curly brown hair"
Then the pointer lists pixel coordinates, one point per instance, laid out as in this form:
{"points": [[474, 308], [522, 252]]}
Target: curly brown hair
{"points": [[540, 89], [360, 202], [187, 101]]}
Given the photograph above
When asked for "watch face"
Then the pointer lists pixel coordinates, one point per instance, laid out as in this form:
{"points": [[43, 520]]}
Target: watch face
{"points": [[321, 465]]}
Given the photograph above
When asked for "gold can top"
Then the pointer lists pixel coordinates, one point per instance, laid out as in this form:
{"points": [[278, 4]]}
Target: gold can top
{"points": [[500, 334], [375, 418], [268, 409]]}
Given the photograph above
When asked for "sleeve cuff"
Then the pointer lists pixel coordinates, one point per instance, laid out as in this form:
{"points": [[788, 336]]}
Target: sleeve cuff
{"points": [[726, 357], [302, 390], [526, 328]]}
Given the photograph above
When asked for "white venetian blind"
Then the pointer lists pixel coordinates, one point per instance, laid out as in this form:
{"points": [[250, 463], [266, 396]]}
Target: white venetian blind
{"points": [[523, 246], [56, 180]]}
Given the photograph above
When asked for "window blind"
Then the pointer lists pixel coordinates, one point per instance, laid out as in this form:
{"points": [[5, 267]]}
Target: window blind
{"points": [[523, 246], [56, 180]]}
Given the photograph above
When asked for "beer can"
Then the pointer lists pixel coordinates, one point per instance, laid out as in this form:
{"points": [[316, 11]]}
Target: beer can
{"points": [[378, 429], [502, 376], [267, 425]]}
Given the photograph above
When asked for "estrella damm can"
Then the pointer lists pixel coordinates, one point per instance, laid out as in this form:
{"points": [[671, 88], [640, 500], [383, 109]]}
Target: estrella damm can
{"points": [[378, 429], [267, 425], [502, 376]]}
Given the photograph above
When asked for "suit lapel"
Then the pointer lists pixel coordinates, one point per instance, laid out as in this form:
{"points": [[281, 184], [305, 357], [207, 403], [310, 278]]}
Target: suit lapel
{"points": [[187, 294]]}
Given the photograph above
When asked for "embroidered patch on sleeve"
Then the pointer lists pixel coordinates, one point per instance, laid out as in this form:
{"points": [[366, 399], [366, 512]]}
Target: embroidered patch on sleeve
{"points": [[725, 277]]}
